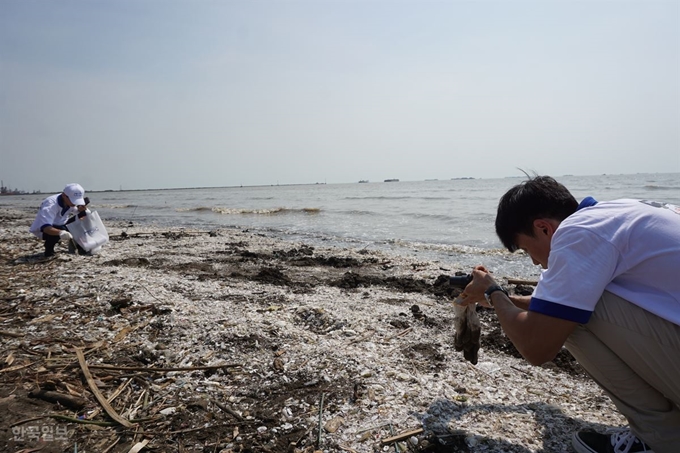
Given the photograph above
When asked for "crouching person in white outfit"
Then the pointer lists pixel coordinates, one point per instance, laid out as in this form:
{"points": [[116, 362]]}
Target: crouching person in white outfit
{"points": [[53, 216], [609, 293]]}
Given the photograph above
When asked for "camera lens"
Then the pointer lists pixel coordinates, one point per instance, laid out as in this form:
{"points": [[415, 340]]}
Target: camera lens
{"points": [[460, 281]]}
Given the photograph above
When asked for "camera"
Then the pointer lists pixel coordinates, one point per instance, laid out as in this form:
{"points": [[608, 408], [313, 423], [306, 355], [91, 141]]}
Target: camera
{"points": [[460, 281]]}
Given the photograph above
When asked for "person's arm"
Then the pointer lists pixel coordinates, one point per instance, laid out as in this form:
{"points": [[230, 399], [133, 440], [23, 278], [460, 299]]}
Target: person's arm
{"points": [[521, 301], [536, 336], [52, 231], [56, 231], [82, 212]]}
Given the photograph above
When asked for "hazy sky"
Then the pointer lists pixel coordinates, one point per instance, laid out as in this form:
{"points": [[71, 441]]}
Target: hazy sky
{"points": [[157, 94]]}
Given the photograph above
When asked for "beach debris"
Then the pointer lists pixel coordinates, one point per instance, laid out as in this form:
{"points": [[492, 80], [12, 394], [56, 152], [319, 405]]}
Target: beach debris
{"points": [[139, 446], [168, 410], [515, 281], [468, 330], [467, 325], [202, 334], [402, 436], [417, 313], [334, 424], [72, 402], [97, 393], [228, 410], [320, 431]]}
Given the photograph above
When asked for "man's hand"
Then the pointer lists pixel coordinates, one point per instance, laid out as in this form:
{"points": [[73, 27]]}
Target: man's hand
{"points": [[536, 336], [65, 235], [474, 291]]}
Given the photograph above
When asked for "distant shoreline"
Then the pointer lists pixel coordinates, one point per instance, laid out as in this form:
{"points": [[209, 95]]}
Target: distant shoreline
{"points": [[463, 178]]}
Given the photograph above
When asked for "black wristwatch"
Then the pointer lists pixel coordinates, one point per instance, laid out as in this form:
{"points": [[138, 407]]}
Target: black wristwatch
{"points": [[492, 289]]}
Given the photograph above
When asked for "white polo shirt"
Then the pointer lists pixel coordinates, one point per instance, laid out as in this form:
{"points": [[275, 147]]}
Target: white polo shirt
{"points": [[630, 248], [53, 211]]}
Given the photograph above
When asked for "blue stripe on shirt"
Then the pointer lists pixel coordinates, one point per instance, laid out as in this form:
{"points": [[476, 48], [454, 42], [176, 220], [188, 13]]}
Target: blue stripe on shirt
{"points": [[559, 311], [586, 203], [62, 204]]}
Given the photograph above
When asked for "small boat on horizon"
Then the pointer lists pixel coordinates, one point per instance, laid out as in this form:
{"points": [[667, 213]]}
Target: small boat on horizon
{"points": [[392, 180]]}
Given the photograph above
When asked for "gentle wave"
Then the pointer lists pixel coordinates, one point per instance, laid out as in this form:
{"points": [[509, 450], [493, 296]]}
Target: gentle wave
{"points": [[355, 212], [396, 198], [403, 215], [657, 187], [239, 211], [114, 206], [458, 248]]}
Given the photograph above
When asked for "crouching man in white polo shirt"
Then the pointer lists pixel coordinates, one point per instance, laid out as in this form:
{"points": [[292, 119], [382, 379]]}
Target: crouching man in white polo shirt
{"points": [[609, 293], [53, 215]]}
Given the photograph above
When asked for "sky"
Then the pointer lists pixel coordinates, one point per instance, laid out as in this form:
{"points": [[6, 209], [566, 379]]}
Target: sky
{"points": [[143, 94]]}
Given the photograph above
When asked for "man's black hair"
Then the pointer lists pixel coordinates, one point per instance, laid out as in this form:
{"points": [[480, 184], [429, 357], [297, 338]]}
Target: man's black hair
{"points": [[536, 198]]}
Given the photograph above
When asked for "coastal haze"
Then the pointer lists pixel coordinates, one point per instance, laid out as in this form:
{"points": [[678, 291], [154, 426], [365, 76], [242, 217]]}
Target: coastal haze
{"points": [[148, 95]]}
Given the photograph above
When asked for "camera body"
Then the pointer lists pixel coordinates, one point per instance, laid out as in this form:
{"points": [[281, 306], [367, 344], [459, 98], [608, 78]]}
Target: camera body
{"points": [[460, 281]]}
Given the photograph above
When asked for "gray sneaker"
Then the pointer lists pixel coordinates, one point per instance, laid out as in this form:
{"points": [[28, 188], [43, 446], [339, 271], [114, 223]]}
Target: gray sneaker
{"points": [[613, 441]]}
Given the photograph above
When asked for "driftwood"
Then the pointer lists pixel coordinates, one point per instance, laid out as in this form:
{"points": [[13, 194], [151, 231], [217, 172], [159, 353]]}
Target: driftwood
{"points": [[164, 370], [69, 401], [7, 333], [228, 410], [514, 281], [403, 436], [141, 368], [98, 394], [17, 367]]}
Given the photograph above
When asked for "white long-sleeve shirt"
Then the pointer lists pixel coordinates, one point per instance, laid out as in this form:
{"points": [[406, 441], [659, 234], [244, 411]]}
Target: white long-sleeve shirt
{"points": [[53, 211]]}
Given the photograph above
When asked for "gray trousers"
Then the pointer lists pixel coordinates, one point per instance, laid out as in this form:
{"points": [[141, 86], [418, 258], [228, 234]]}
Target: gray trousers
{"points": [[635, 357]]}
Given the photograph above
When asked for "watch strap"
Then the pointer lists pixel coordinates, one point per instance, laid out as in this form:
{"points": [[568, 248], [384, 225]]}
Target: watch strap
{"points": [[492, 289]]}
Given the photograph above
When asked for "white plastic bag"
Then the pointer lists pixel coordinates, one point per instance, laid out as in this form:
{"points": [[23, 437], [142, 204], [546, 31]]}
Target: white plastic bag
{"points": [[89, 232]]}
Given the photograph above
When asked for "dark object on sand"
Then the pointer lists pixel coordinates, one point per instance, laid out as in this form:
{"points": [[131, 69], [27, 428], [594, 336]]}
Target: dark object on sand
{"points": [[468, 331]]}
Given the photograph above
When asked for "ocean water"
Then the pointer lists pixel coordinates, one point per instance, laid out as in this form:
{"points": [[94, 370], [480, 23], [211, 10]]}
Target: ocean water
{"points": [[450, 221]]}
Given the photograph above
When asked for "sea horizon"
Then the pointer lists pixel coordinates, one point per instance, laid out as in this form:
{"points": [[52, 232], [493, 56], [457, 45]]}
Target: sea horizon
{"points": [[360, 181]]}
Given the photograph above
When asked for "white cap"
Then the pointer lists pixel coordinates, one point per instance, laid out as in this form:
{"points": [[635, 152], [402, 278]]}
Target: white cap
{"points": [[75, 193]]}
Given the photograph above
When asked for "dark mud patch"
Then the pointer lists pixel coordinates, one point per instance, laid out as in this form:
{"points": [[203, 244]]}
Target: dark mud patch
{"points": [[304, 256], [332, 261], [440, 287], [273, 276], [131, 262]]}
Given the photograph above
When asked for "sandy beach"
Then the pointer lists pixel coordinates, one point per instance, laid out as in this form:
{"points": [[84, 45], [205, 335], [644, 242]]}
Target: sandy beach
{"points": [[234, 341]]}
